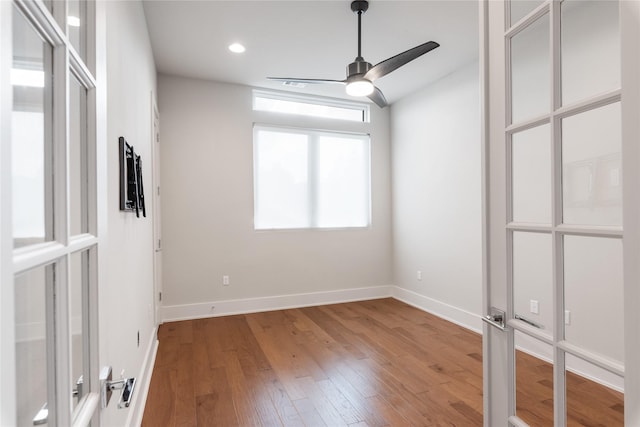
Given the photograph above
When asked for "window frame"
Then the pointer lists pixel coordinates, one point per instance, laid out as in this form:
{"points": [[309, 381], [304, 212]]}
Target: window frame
{"points": [[311, 100], [312, 174]]}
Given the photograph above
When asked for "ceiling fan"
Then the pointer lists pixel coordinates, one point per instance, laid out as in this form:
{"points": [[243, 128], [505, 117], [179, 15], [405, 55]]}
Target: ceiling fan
{"points": [[360, 73]]}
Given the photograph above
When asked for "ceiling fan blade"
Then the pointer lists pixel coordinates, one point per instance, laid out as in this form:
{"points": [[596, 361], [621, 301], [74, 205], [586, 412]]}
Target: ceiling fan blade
{"points": [[388, 65], [377, 97], [309, 81]]}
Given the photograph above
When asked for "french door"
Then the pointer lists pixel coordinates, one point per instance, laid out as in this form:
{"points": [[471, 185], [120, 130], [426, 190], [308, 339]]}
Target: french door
{"points": [[49, 239], [561, 241]]}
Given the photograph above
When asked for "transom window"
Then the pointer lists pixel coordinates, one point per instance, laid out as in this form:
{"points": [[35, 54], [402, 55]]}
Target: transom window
{"points": [[276, 102]]}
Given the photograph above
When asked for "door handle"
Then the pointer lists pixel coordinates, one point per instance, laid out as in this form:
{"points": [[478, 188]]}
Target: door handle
{"points": [[496, 318], [77, 392], [42, 416], [107, 385], [529, 322]]}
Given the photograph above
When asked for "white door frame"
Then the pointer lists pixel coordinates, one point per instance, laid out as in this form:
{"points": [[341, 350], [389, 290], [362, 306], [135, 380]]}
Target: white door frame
{"points": [[497, 403], [630, 78], [7, 319], [499, 372], [157, 223]]}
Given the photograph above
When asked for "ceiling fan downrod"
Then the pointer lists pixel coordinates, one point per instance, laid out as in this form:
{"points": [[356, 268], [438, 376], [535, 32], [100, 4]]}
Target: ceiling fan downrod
{"points": [[359, 66], [359, 7]]}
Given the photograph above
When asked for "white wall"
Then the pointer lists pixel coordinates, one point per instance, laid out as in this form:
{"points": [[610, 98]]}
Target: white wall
{"points": [[126, 296], [207, 214], [435, 137]]}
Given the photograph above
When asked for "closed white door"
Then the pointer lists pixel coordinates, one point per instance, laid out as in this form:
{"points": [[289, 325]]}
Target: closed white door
{"points": [[559, 142]]}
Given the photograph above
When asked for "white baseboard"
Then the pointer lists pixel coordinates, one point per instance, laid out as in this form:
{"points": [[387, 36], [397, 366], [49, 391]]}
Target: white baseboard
{"points": [[143, 382], [448, 312], [453, 314], [174, 313]]}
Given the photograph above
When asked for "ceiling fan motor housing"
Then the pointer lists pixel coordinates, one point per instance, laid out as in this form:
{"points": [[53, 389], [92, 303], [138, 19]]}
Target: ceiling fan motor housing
{"points": [[358, 67]]}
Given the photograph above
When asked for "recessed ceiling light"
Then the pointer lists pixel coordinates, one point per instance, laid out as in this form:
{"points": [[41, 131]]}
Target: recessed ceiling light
{"points": [[73, 21], [236, 48]]}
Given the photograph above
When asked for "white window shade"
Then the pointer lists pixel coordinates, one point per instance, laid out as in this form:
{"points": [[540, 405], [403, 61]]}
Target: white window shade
{"points": [[310, 179], [342, 193], [281, 180]]}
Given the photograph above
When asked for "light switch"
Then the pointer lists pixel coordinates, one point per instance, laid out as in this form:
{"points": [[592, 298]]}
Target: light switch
{"points": [[533, 306]]}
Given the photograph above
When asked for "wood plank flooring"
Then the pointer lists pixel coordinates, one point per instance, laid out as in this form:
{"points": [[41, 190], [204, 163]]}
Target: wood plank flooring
{"points": [[370, 363], [588, 403]]}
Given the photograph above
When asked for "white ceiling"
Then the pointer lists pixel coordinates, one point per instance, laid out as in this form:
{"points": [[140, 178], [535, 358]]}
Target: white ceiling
{"points": [[309, 39]]}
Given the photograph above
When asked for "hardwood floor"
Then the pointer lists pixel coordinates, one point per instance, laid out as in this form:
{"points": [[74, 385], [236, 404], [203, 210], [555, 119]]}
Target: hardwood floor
{"points": [[371, 363], [588, 403]]}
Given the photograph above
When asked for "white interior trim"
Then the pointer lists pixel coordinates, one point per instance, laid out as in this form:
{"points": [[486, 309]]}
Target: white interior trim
{"points": [[254, 305], [143, 382], [466, 319], [448, 312]]}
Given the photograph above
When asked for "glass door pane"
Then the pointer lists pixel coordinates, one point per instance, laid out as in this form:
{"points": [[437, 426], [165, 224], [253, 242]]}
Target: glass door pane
{"points": [[590, 49], [531, 175], [590, 402], [77, 25], [78, 287], [533, 279], [31, 143], [534, 381], [530, 81], [592, 167], [593, 288], [33, 349], [78, 158]]}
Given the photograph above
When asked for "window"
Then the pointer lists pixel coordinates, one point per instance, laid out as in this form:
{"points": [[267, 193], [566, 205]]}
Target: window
{"points": [[310, 179], [309, 106]]}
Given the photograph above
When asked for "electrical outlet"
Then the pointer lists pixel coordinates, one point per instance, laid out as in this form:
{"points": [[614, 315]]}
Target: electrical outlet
{"points": [[419, 275], [567, 317], [225, 280], [533, 306]]}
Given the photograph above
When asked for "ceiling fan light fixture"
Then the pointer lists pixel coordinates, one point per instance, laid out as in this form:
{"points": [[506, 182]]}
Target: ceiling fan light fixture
{"points": [[360, 87]]}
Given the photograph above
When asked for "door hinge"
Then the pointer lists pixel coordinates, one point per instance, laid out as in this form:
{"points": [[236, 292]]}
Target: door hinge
{"points": [[159, 243], [158, 190], [159, 296]]}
